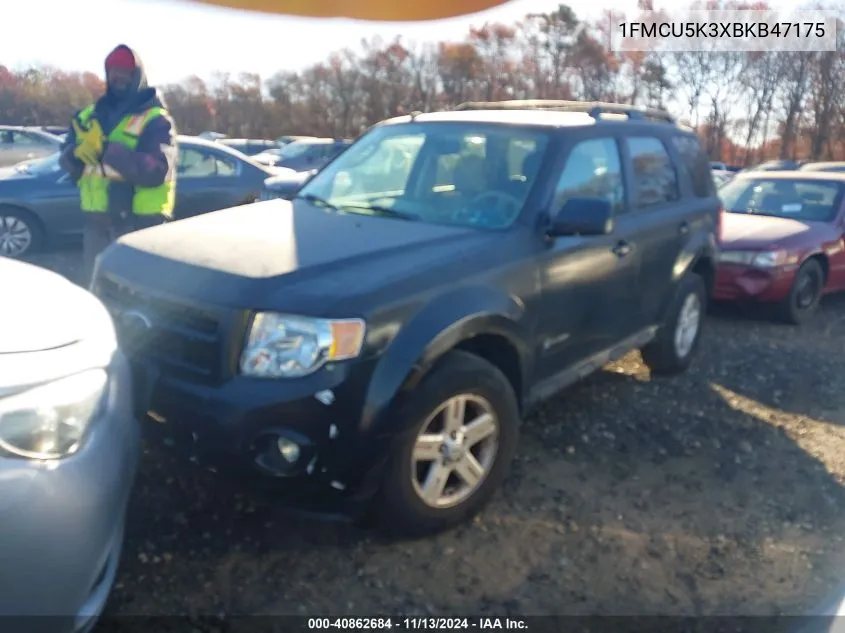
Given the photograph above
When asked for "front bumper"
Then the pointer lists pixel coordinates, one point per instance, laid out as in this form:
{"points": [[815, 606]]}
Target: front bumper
{"points": [[61, 522], [736, 282], [230, 428]]}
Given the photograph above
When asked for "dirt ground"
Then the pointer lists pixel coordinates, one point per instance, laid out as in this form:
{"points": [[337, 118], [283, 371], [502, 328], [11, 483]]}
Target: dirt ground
{"points": [[718, 492]]}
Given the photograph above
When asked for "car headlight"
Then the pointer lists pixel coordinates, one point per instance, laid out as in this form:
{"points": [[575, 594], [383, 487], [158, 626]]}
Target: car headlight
{"points": [[283, 346], [50, 421], [758, 259]]}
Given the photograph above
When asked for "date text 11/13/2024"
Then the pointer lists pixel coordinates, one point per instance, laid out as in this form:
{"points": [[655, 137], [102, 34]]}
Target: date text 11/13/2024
{"points": [[416, 624]]}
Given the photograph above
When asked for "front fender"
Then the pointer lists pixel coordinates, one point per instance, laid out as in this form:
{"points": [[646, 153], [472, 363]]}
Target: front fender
{"points": [[429, 334], [700, 250]]}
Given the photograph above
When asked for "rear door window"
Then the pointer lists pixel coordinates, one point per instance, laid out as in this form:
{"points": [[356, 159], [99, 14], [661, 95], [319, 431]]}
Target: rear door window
{"points": [[198, 164]]}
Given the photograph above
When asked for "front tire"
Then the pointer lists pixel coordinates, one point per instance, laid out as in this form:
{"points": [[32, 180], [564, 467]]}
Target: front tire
{"points": [[805, 294], [463, 422], [674, 348]]}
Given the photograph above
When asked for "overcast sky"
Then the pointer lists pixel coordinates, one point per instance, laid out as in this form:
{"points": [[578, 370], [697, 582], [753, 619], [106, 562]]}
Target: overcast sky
{"points": [[177, 39]]}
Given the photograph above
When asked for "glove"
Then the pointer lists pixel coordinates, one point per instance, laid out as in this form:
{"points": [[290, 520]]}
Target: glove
{"points": [[86, 154], [90, 142]]}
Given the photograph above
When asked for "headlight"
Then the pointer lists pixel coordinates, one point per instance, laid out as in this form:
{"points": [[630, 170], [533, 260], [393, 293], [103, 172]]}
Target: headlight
{"points": [[49, 421], [282, 346], [765, 259]]}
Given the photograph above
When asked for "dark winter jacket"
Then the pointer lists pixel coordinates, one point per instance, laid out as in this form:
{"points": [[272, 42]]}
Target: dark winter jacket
{"points": [[155, 155]]}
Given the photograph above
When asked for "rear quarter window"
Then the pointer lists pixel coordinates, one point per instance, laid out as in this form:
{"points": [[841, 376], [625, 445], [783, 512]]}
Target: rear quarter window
{"points": [[696, 164]]}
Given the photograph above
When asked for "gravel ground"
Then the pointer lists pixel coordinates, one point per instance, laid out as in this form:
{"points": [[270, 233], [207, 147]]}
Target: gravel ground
{"points": [[718, 492]]}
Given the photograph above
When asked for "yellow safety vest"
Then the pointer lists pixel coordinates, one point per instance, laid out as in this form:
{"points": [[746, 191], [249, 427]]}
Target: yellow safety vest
{"points": [[95, 180]]}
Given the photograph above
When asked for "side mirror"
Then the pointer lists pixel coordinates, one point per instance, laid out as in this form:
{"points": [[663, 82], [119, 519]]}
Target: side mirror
{"points": [[583, 216]]}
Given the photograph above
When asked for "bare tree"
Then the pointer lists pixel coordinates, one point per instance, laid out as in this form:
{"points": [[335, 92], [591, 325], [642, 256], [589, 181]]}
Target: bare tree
{"points": [[793, 94], [733, 100]]}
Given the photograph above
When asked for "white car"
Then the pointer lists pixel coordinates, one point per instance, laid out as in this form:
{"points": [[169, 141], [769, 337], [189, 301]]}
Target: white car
{"points": [[69, 451]]}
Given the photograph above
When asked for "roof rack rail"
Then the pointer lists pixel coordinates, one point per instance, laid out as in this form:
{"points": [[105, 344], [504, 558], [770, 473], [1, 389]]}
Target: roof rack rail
{"points": [[594, 108]]}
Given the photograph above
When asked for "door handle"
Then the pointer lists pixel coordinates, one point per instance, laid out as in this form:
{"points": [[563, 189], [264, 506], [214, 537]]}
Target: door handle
{"points": [[684, 228], [621, 249]]}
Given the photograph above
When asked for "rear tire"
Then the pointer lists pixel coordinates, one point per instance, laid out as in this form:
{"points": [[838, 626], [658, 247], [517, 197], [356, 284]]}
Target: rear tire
{"points": [[409, 504], [677, 340], [20, 233], [804, 296]]}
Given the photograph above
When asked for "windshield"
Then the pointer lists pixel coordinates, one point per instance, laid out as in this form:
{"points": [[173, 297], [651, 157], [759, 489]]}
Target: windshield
{"points": [[41, 166], [440, 173], [804, 200]]}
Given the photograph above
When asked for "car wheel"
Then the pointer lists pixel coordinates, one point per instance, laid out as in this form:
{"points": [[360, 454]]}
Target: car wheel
{"points": [[805, 294], [464, 426], [677, 340], [20, 233]]}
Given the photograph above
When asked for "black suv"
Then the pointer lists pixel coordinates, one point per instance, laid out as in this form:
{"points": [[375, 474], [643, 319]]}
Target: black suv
{"points": [[374, 343]]}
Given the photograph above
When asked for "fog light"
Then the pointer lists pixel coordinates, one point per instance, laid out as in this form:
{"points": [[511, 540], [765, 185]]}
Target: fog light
{"points": [[288, 449]]}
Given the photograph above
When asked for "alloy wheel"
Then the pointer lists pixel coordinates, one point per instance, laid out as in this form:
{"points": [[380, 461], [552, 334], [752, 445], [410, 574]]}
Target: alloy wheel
{"points": [[454, 451], [15, 236], [689, 321]]}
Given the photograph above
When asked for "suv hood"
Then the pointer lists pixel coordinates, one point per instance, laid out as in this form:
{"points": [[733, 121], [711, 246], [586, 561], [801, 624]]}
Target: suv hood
{"points": [[746, 231], [237, 257]]}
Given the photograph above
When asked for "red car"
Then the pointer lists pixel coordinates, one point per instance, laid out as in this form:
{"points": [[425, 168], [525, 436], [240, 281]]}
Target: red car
{"points": [[782, 240]]}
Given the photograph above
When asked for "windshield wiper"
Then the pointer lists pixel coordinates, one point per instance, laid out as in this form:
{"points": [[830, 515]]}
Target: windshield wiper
{"points": [[316, 200], [379, 210]]}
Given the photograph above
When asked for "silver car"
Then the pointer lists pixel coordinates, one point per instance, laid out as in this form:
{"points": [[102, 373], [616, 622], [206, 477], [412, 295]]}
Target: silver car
{"points": [[69, 450], [18, 144]]}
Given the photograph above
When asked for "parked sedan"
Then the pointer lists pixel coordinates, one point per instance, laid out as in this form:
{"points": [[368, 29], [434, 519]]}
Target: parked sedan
{"points": [[212, 176], [55, 130], [268, 157], [39, 203], [284, 140], [69, 450], [20, 143], [773, 165], [247, 146], [285, 186], [783, 240], [308, 154], [832, 166], [722, 176]]}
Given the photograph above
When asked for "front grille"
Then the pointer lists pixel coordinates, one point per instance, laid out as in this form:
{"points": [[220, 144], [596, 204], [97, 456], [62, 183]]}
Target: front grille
{"points": [[184, 340]]}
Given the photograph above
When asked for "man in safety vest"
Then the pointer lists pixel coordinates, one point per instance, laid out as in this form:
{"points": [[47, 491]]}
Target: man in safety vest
{"points": [[121, 152]]}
